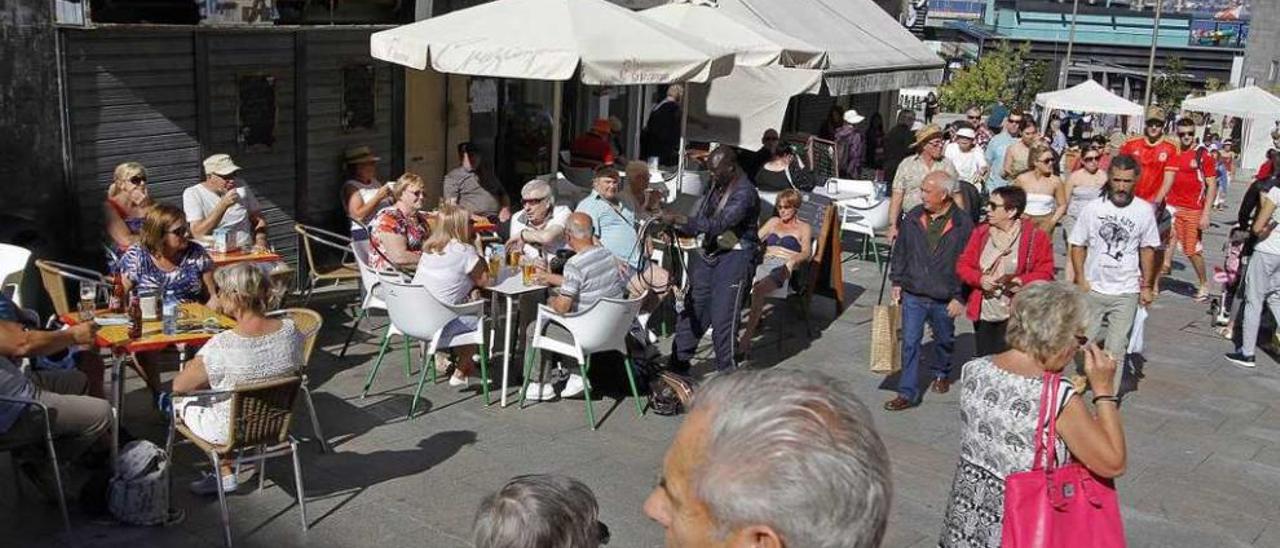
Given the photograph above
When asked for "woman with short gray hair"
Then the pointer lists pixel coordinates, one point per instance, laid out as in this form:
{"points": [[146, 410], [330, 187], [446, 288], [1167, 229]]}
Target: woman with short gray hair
{"points": [[540, 511], [1000, 400]]}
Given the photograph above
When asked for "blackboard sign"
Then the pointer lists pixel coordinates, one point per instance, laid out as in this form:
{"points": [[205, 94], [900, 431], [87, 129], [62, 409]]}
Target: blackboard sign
{"points": [[826, 274], [256, 112], [359, 110], [823, 159]]}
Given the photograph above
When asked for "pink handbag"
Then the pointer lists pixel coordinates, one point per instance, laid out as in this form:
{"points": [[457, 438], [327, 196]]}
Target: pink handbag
{"points": [[1058, 507]]}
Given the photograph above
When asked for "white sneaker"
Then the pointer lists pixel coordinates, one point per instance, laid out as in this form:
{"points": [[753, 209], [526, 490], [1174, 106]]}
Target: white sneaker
{"points": [[456, 381], [540, 392], [573, 386], [206, 486]]}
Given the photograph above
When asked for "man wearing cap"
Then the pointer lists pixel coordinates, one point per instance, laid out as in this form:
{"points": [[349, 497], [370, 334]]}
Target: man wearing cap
{"points": [[969, 160], [851, 143], [1190, 185], [1153, 152], [363, 195], [999, 146], [470, 186], [222, 201], [911, 171], [592, 149]]}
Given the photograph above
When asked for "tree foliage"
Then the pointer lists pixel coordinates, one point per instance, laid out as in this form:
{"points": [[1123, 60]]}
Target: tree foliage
{"points": [[1170, 86], [1002, 73], [1213, 85]]}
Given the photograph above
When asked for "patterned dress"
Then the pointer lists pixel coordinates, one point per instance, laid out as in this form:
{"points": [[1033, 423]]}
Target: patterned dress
{"points": [[390, 220], [998, 411], [140, 268]]}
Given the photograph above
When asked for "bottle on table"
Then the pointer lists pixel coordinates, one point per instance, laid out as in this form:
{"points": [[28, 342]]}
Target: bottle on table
{"points": [[169, 313], [119, 297], [135, 316]]}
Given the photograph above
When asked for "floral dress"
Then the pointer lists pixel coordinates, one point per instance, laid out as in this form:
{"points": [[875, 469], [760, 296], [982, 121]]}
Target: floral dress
{"points": [[390, 220], [998, 412], [140, 268]]}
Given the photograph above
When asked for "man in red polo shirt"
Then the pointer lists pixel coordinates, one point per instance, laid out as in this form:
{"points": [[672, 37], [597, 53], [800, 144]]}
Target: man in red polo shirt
{"points": [[1153, 152], [1190, 184]]}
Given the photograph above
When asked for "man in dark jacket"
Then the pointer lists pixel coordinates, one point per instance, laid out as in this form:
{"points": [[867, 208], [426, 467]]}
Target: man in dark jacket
{"points": [[930, 240], [661, 136], [897, 143]]}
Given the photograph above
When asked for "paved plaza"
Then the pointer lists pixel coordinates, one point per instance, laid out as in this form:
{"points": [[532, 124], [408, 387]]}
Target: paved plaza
{"points": [[1203, 438]]}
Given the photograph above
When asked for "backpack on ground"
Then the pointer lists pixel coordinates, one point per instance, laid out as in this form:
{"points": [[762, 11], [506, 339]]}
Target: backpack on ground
{"points": [[670, 393], [139, 491]]}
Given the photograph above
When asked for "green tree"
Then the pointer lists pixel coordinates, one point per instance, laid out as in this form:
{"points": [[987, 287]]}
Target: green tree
{"points": [[1170, 86], [1213, 85], [982, 83]]}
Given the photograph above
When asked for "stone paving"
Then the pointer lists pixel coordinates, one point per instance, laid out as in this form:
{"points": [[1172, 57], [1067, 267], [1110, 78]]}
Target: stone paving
{"points": [[1203, 435]]}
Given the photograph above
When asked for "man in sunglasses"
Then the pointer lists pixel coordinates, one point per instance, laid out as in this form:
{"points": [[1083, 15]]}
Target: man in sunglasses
{"points": [[983, 135], [998, 146], [1190, 186], [222, 200]]}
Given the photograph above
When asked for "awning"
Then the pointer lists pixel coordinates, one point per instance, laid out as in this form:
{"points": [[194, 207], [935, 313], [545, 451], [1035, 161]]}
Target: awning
{"points": [[736, 109], [1246, 102], [869, 51], [754, 44], [1088, 96]]}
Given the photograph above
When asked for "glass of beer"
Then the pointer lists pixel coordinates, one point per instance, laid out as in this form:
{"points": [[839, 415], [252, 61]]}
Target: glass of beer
{"points": [[88, 299], [526, 271], [513, 258], [495, 265]]}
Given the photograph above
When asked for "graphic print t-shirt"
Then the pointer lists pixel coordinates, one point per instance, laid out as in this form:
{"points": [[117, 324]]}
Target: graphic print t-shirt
{"points": [[1113, 236]]}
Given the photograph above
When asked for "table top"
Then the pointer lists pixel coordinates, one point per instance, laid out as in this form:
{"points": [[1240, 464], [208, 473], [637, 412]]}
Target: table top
{"points": [[197, 324], [840, 196], [510, 282], [478, 222], [254, 256]]}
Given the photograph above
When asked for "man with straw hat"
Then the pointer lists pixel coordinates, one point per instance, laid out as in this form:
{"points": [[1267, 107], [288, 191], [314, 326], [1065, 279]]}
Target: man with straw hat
{"points": [[929, 157], [363, 195]]}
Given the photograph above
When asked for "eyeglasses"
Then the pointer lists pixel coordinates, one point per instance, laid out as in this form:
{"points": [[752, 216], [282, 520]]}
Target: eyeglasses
{"points": [[1155, 123], [1186, 134], [138, 180], [182, 231], [975, 117], [992, 206], [1082, 340], [533, 201], [934, 143], [1090, 158], [1014, 121], [1045, 161]]}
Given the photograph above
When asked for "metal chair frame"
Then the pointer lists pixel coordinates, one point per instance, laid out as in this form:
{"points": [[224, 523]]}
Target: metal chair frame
{"points": [[53, 452], [343, 272]]}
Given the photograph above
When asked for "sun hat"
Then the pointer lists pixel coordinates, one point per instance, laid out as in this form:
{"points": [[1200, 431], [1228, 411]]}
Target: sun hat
{"points": [[966, 133], [926, 134], [360, 155], [851, 116], [220, 165]]}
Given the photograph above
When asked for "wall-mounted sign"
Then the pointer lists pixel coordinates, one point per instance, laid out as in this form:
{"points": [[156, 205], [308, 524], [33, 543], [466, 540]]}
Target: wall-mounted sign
{"points": [[1218, 34]]}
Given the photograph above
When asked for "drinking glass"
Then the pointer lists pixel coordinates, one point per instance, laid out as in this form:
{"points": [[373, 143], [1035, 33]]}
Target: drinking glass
{"points": [[526, 271], [88, 299]]}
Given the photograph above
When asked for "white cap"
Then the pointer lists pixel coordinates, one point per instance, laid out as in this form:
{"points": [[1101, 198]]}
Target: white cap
{"points": [[967, 133], [851, 116], [220, 165]]}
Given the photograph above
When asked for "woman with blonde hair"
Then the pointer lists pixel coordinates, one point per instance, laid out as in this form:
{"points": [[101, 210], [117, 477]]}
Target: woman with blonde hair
{"points": [[257, 349], [127, 203], [787, 245], [450, 268], [399, 229], [1000, 400]]}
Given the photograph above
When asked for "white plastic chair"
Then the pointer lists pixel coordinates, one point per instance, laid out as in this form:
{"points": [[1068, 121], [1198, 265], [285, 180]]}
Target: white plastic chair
{"points": [[13, 265], [601, 328], [419, 315], [371, 284], [581, 177], [865, 216]]}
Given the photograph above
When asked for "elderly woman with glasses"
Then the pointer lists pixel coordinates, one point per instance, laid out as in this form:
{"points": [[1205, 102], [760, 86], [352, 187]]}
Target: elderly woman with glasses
{"points": [[1000, 401], [399, 229], [257, 349], [165, 259], [1046, 196], [1002, 256], [787, 244], [127, 204]]}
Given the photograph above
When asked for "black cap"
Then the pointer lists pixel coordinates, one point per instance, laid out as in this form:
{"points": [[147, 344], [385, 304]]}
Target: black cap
{"points": [[466, 147]]}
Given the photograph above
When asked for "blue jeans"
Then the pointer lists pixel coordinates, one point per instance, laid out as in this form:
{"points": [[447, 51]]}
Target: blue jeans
{"points": [[916, 310]]}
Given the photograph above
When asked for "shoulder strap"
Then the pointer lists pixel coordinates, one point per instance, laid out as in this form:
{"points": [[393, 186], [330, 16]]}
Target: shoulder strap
{"points": [[1046, 455]]}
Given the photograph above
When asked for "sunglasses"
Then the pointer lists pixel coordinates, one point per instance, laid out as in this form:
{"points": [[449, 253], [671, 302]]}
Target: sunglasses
{"points": [[138, 180], [1186, 134], [414, 193], [992, 206], [1155, 123], [1014, 121], [1090, 158], [532, 201], [183, 231], [975, 117]]}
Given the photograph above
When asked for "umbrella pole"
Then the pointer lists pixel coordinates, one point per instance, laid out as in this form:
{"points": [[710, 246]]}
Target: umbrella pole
{"points": [[684, 126], [557, 97]]}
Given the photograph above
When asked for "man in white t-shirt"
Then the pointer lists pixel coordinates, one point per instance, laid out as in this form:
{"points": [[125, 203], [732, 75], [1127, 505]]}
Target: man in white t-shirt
{"points": [[1113, 245], [222, 201], [538, 229], [1262, 277], [970, 161]]}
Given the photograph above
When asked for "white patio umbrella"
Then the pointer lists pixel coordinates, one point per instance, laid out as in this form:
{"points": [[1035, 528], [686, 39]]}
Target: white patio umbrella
{"points": [[551, 40], [1260, 109], [753, 43], [1087, 96]]}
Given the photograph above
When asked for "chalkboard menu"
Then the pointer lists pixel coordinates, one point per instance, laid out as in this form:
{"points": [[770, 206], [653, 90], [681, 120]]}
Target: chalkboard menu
{"points": [[256, 113], [822, 157], [358, 106]]}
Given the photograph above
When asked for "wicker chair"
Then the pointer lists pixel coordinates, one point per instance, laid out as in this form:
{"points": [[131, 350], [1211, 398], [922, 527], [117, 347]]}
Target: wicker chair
{"points": [[7, 447], [308, 322], [317, 273], [55, 275], [261, 413]]}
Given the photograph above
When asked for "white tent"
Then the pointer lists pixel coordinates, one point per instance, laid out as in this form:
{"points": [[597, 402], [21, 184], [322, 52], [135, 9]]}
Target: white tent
{"points": [[869, 51], [1088, 96], [1259, 109], [737, 108]]}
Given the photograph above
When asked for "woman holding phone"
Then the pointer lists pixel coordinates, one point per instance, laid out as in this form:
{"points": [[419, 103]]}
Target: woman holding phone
{"points": [[1004, 255]]}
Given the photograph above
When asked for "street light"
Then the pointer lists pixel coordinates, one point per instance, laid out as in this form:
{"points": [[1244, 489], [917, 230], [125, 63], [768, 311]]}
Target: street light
{"points": [[1151, 62], [1071, 41]]}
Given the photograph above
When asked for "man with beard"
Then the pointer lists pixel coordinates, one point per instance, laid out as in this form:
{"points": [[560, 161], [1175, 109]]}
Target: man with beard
{"points": [[1113, 247], [725, 221]]}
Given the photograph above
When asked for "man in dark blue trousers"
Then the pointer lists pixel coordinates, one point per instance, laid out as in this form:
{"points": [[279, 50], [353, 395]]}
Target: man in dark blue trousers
{"points": [[725, 221]]}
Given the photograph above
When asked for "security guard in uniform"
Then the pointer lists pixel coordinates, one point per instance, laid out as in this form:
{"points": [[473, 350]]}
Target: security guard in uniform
{"points": [[726, 222]]}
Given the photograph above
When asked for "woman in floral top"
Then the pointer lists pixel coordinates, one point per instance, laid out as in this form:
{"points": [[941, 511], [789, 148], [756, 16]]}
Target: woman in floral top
{"points": [[165, 259], [399, 229]]}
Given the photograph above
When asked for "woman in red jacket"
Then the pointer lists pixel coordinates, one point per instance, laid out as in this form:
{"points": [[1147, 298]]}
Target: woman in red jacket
{"points": [[1004, 255]]}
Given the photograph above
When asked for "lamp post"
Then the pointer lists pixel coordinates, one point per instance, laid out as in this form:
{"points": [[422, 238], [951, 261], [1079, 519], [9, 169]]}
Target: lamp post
{"points": [[1071, 41], [1151, 62]]}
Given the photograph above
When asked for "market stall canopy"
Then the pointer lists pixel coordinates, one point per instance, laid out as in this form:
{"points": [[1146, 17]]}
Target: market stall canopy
{"points": [[1250, 102], [551, 40], [754, 44], [868, 50], [1088, 96], [737, 108]]}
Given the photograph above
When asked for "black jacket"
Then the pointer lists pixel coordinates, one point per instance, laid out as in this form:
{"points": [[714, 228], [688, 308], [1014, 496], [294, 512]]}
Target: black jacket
{"points": [[925, 272], [897, 146]]}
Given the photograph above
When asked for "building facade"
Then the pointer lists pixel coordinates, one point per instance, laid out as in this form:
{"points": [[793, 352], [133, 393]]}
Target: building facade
{"points": [[1262, 55]]}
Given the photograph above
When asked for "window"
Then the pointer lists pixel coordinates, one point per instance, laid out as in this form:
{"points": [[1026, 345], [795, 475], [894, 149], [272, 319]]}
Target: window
{"points": [[359, 110], [256, 112], [1275, 71]]}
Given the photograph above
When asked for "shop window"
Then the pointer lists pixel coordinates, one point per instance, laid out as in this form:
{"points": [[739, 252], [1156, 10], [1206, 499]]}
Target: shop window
{"points": [[256, 112], [359, 108]]}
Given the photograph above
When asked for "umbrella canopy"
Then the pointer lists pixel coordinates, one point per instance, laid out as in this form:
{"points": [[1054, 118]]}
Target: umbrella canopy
{"points": [[550, 40], [1250, 102], [1088, 96], [869, 50], [754, 44]]}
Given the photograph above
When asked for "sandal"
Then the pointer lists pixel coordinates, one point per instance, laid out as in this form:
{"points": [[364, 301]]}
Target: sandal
{"points": [[1201, 296], [1225, 331]]}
